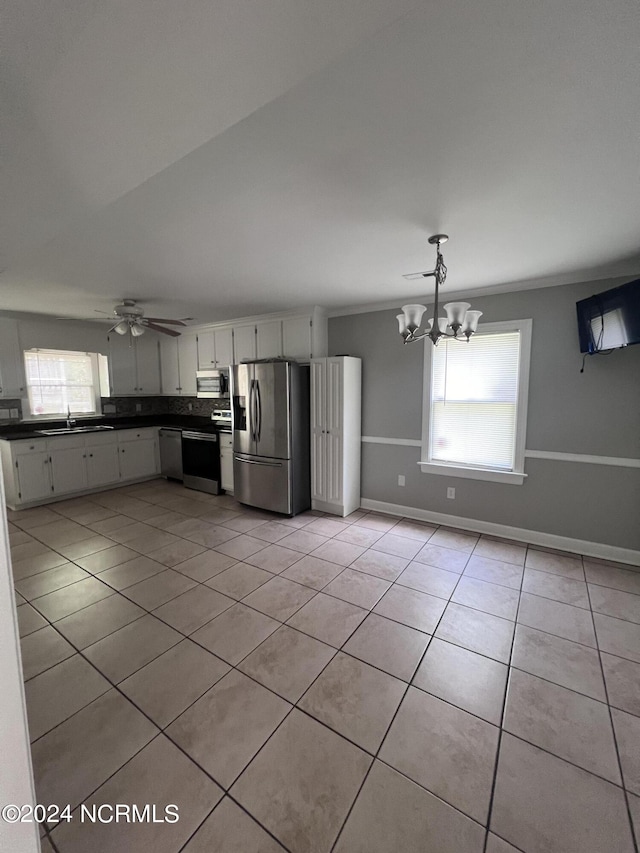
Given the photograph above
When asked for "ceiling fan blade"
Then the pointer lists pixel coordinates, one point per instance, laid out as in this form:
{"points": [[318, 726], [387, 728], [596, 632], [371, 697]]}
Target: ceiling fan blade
{"points": [[161, 320], [87, 319], [155, 328]]}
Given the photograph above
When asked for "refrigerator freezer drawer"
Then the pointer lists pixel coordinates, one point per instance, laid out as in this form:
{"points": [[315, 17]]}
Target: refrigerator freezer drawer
{"points": [[262, 482]]}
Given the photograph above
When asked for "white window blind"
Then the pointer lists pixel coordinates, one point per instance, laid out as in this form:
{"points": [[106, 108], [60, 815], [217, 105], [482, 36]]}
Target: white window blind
{"points": [[474, 395], [58, 381]]}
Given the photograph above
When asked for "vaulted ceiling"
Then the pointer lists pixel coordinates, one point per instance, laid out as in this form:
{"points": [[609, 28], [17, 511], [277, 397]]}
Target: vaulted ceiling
{"points": [[219, 159]]}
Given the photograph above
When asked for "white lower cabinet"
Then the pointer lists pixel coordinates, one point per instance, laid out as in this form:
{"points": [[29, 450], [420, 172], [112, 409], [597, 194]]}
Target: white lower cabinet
{"points": [[103, 465], [32, 476], [335, 434], [226, 462], [138, 451], [35, 471], [68, 469]]}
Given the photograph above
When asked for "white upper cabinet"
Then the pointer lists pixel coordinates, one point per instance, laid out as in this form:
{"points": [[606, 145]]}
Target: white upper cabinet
{"points": [[244, 343], [169, 367], [296, 338], [206, 349], [215, 348], [122, 365], [269, 339], [224, 347], [12, 380], [134, 366], [187, 364], [179, 363], [148, 364]]}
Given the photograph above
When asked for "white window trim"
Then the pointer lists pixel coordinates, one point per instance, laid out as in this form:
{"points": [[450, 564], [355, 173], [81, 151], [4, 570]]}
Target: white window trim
{"points": [[515, 477], [57, 416]]}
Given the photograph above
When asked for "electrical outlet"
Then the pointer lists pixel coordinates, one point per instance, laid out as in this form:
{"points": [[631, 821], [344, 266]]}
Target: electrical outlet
{"points": [[451, 493], [15, 413], [401, 479], [190, 407], [138, 407]]}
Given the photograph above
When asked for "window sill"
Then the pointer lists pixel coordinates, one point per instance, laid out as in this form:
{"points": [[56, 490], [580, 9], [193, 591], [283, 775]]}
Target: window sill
{"points": [[515, 478]]}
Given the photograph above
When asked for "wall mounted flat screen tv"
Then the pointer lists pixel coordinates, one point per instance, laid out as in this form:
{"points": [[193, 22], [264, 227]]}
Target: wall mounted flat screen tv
{"points": [[611, 319]]}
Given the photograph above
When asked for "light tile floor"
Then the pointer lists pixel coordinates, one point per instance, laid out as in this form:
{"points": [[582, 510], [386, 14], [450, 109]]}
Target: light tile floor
{"points": [[313, 684]]}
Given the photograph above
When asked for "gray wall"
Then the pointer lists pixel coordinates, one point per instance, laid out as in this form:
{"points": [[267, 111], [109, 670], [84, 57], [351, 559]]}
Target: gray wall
{"points": [[595, 413]]}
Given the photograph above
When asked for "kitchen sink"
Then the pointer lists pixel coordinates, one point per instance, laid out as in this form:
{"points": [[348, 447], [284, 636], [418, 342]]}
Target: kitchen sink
{"points": [[71, 430]]}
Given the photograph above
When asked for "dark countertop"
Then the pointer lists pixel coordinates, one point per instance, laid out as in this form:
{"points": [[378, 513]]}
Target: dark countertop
{"points": [[16, 432]]}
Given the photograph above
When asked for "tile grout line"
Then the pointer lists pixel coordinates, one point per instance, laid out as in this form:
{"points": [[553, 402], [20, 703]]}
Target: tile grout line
{"points": [[504, 710], [634, 840], [384, 737]]}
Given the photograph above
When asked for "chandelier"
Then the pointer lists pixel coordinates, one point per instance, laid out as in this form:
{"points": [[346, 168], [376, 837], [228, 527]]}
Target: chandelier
{"points": [[461, 322]]}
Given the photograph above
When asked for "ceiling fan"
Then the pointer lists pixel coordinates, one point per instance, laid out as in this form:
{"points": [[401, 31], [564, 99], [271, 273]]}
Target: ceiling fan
{"points": [[129, 317]]}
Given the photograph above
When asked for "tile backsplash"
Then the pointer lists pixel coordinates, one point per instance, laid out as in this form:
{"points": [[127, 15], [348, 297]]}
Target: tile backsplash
{"points": [[128, 406], [7, 407]]}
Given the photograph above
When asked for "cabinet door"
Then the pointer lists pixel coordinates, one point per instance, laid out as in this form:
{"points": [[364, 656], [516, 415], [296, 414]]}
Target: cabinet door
{"points": [[169, 367], [122, 365], [224, 347], [12, 379], [333, 427], [333, 467], [34, 482], [226, 463], [188, 364], [148, 365], [206, 350], [102, 465], [244, 344], [138, 459], [318, 419], [296, 338], [269, 339], [68, 470]]}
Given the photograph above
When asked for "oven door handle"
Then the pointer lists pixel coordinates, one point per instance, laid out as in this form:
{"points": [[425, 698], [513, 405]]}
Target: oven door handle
{"points": [[199, 436], [256, 462]]}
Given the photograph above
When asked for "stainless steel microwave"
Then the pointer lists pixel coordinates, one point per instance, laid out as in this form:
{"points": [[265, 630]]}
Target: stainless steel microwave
{"points": [[212, 383]]}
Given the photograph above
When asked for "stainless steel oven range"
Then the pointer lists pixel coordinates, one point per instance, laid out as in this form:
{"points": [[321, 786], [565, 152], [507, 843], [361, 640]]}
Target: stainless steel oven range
{"points": [[201, 461]]}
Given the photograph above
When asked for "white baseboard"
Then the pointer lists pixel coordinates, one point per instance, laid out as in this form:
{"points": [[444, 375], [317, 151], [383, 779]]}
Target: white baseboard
{"points": [[531, 537]]}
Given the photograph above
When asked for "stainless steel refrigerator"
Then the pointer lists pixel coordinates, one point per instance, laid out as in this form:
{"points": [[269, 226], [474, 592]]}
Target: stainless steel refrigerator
{"points": [[271, 459]]}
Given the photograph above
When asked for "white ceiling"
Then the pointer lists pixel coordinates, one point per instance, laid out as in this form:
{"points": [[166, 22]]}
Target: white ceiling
{"points": [[232, 158]]}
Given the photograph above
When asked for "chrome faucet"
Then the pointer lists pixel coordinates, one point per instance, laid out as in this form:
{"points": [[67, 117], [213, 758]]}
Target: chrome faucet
{"points": [[70, 421]]}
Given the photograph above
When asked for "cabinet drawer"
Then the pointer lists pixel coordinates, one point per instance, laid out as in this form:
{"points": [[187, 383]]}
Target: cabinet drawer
{"points": [[28, 445], [98, 439], [125, 435]]}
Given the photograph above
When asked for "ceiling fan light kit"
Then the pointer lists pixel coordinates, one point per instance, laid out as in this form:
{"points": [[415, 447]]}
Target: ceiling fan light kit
{"points": [[462, 322]]}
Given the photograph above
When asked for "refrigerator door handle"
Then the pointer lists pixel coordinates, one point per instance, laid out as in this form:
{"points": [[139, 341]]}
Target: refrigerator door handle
{"points": [[258, 412], [251, 423], [256, 462]]}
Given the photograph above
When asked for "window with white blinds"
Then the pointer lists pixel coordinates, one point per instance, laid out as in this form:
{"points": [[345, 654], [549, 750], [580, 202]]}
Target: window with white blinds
{"points": [[59, 381], [475, 404]]}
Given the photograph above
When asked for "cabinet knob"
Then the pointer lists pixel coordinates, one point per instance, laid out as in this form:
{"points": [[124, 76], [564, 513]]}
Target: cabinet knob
{"points": [[91, 455]]}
